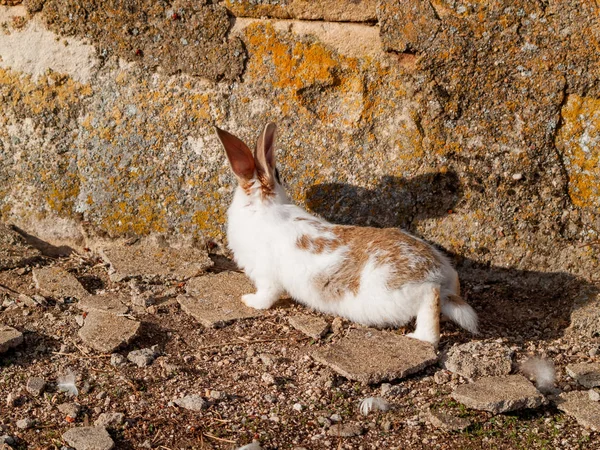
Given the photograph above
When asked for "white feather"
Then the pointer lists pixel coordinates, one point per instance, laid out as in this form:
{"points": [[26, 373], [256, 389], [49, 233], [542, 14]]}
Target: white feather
{"points": [[373, 403], [66, 383], [541, 371]]}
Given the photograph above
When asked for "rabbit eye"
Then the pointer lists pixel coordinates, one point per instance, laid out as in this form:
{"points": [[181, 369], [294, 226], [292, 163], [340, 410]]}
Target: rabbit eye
{"points": [[277, 176]]}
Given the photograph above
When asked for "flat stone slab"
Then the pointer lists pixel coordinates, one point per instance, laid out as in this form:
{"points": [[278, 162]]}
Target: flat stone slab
{"points": [[106, 332], [152, 261], [314, 327], [110, 302], [586, 374], [89, 438], [14, 249], [447, 422], [577, 404], [479, 359], [371, 356], [214, 300], [499, 394], [9, 338], [58, 283]]}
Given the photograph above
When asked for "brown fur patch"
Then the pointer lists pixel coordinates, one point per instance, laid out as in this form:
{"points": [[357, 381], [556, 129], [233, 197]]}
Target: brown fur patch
{"points": [[317, 244], [436, 311], [409, 258], [456, 299]]}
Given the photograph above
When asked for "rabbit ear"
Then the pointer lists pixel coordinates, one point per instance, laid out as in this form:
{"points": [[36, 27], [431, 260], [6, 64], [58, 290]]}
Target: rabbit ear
{"points": [[239, 155], [265, 150]]}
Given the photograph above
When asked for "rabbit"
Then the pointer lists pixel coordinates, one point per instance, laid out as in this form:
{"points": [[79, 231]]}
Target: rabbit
{"points": [[372, 276]]}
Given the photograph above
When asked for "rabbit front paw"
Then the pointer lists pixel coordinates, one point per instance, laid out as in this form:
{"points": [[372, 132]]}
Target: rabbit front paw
{"points": [[258, 301]]}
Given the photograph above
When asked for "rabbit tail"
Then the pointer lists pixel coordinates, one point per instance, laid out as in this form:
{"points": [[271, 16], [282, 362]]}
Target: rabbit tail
{"points": [[459, 311]]}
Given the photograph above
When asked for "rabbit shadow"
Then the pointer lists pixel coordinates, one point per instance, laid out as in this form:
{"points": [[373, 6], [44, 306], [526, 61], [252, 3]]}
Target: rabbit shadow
{"points": [[514, 304]]}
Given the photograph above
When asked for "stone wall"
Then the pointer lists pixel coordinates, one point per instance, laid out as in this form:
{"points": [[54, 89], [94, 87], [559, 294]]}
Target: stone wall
{"points": [[475, 124]]}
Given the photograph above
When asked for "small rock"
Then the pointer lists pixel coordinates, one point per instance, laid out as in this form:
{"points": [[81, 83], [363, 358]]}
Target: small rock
{"points": [[499, 394], [192, 402], [586, 374], [69, 409], [217, 395], [109, 420], [388, 390], [58, 283], [268, 359], [8, 440], [143, 357], [337, 325], [88, 438], [314, 327], [335, 418], [578, 405], [268, 378], [345, 430], [297, 407], [479, 359], [9, 338], [447, 422], [35, 386], [106, 332], [594, 395], [25, 424], [324, 421], [117, 360]]}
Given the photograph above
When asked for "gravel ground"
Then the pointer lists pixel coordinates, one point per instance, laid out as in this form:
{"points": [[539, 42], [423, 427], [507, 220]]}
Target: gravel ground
{"points": [[256, 379]]}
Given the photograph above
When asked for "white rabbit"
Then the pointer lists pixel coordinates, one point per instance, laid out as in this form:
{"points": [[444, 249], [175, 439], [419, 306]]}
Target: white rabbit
{"points": [[379, 277]]}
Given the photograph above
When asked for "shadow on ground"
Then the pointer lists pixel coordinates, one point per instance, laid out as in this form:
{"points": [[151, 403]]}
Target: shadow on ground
{"points": [[514, 304]]}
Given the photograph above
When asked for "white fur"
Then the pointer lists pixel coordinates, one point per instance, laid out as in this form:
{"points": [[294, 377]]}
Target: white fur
{"points": [[263, 236]]}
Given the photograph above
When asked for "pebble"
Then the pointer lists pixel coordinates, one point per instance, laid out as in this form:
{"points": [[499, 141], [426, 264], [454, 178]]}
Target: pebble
{"points": [[25, 424], [143, 357], [217, 395], [109, 420], [117, 360], [594, 395], [268, 378], [297, 407], [35, 386], [6, 439], [191, 402], [69, 409]]}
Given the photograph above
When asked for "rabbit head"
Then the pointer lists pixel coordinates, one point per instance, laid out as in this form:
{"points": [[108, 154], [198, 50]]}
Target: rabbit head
{"points": [[257, 173]]}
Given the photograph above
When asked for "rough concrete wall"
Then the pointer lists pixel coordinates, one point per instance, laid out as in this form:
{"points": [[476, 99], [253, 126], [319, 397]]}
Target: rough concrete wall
{"points": [[474, 124]]}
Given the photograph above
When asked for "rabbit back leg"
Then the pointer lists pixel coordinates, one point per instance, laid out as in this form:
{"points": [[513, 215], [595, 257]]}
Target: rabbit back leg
{"points": [[428, 317]]}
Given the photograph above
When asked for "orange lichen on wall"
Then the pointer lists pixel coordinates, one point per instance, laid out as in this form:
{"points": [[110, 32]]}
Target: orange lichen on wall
{"points": [[578, 140]]}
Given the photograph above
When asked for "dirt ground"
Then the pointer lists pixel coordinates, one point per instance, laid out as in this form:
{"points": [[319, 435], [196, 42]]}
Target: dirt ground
{"points": [[260, 380]]}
